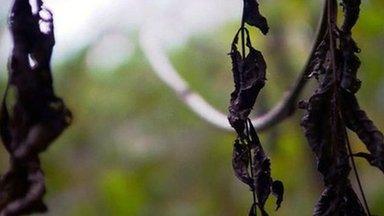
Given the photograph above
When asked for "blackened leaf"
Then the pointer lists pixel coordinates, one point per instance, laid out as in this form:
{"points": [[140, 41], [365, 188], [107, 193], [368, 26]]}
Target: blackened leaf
{"points": [[371, 160], [278, 192], [251, 72], [325, 205], [320, 124], [351, 10], [262, 176], [253, 17], [36, 118], [237, 63], [352, 204], [349, 80], [316, 127], [260, 167], [351, 64], [319, 57], [337, 201], [358, 121], [240, 163], [22, 189]]}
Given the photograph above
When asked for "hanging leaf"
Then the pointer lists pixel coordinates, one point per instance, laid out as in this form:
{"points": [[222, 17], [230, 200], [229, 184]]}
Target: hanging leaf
{"points": [[250, 163], [358, 121], [240, 163], [373, 161], [249, 76], [36, 118], [22, 189], [349, 80], [337, 201], [331, 109], [261, 168], [278, 192], [351, 14], [262, 175], [253, 17]]}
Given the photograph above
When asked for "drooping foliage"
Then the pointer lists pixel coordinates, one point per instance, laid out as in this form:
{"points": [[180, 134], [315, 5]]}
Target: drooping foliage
{"points": [[333, 108], [32, 116], [250, 163]]}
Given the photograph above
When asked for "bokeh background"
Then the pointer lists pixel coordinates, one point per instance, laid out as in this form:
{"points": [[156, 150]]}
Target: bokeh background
{"points": [[135, 149]]}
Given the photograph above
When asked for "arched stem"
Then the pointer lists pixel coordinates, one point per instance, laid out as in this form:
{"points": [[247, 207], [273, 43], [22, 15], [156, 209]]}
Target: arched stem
{"points": [[164, 69]]}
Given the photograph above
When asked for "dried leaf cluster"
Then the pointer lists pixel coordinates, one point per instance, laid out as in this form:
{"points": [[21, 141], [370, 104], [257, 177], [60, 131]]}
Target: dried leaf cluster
{"points": [[32, 116], [250, 163], [332, 109]]}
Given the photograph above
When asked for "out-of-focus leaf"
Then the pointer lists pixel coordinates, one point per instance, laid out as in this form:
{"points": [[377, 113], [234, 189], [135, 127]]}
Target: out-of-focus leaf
{"points": [[278, 192]]}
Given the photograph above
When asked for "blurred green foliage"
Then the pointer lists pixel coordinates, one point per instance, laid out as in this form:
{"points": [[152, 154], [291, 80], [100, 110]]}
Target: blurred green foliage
{"points": [[134, 149]]}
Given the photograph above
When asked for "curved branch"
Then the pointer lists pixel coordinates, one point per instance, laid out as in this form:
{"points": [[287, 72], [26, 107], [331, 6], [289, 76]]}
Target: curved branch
{"points": [[164, 69]]}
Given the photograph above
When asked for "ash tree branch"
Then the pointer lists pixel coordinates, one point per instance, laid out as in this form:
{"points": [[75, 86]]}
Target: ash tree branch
{"points": [[163, 68]]}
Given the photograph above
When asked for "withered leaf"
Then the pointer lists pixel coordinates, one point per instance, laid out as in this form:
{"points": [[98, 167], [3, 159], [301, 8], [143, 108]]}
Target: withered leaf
{"points": [[349, 80], [339, 201], [240, 163], [358, 121], [278, 192], [371, 160], [262, 175], [250, 163], [249, 76], [253, 17], [260, 167], [325, 206], [37, 117], [351, 14], [351, 64]]}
